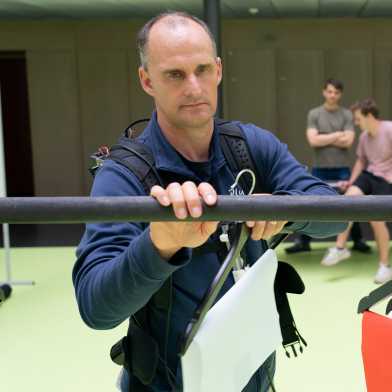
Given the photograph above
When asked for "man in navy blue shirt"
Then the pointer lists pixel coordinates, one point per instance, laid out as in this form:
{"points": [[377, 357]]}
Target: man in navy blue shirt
{"points": [[121, 265]]}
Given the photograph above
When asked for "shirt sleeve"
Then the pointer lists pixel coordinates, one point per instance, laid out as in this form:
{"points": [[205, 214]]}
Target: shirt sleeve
{"points": [[361, 155], [389, 133], [348, 121], [282, 174], [312, 120], [118, 268]]}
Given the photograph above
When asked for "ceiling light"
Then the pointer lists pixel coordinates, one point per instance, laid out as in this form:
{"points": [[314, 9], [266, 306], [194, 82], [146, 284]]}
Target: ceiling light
{"points": [[253, 11]]}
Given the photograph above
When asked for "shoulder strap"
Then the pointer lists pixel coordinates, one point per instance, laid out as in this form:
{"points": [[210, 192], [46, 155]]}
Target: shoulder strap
{"points": [[138, 158], [236, 151]]}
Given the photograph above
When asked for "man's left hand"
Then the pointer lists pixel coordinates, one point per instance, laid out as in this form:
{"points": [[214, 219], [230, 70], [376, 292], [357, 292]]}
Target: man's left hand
{"points": [[264, 230]]}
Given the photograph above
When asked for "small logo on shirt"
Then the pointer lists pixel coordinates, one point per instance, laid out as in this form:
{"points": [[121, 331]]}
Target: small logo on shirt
{"points": [[236, 190]]}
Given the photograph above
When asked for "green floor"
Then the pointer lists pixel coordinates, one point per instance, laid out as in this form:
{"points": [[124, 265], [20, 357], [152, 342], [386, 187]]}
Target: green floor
{"points": [[46, 347]]}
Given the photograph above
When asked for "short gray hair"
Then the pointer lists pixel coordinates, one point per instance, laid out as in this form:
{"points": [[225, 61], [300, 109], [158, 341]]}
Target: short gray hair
{"points": [[144, 32]]}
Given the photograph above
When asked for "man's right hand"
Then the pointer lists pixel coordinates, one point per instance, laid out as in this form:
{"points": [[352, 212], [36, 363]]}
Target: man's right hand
{"points": [[186, 199]]}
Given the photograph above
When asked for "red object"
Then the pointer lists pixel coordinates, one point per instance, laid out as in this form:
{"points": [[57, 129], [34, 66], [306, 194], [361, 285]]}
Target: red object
{"points": [[377, 351]]}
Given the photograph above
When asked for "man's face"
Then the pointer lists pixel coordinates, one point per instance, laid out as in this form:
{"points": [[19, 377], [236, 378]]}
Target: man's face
{"points": [[360, 120], [332, 95], [183, 74]]}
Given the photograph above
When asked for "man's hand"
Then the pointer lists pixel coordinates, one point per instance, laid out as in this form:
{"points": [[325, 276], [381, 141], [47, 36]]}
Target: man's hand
{"points": [[317, 139], [263, 229], [170, 237], [345, 139], [343, 185]]}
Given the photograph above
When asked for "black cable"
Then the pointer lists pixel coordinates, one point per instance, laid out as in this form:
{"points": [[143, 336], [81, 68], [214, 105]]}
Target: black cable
{"points": [[130, 127], [172, 382], [270, 380]]}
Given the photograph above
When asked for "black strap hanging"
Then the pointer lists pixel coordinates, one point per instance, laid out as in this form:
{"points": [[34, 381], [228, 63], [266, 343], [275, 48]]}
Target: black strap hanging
{"points": [[376, 296]]}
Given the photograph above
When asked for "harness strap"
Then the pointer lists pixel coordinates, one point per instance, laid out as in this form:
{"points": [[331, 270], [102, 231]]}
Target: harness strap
{"points": [[237, 154], [139, 159]]}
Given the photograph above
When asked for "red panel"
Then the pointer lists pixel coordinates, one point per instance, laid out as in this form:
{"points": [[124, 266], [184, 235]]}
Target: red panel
{"points": [[377, 351]]}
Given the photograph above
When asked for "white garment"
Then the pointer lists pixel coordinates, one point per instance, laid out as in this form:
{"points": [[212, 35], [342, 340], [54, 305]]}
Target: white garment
{"points": [[237, 335]]}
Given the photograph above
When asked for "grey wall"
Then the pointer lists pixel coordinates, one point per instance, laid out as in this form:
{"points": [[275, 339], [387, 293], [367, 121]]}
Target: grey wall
{"points": [[281, 66], [83, 86]]}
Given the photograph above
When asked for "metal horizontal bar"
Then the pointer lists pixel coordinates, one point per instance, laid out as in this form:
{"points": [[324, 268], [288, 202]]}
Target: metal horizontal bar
{"points": [[146, 209]]}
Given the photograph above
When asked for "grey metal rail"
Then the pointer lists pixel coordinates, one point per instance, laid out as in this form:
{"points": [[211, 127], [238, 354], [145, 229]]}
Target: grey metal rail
{"points": [[146, 209]]}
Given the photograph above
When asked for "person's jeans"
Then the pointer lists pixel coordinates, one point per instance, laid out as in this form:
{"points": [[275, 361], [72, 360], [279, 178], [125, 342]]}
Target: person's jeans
{"points": [[331, 174]]}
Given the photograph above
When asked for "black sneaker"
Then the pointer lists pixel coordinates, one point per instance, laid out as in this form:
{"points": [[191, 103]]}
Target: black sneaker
{"points": [[298, 247], [361, 246]]}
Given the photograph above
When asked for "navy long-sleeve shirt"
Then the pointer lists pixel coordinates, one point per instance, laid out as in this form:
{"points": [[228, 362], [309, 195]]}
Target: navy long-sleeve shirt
{"points": [[118, 269]]}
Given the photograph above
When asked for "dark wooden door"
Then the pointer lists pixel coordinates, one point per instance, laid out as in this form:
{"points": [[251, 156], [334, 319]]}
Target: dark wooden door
{"points": [[16, 124]]}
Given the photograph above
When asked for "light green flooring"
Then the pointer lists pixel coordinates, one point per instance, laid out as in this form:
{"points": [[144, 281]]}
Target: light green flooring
{"points": [[44, 346]]}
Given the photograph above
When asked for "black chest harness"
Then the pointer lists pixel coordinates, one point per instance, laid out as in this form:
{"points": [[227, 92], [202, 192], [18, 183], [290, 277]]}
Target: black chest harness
{"points": [[138, 352]]}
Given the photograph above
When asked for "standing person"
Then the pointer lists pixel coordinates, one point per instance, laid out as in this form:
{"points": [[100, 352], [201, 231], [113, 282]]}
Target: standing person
{"points": [[121, 266], [330, 132], [371, 175]]}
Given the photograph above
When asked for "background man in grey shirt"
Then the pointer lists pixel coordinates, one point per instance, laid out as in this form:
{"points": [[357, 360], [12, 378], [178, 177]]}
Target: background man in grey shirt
{"points": [[330, 132]]}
